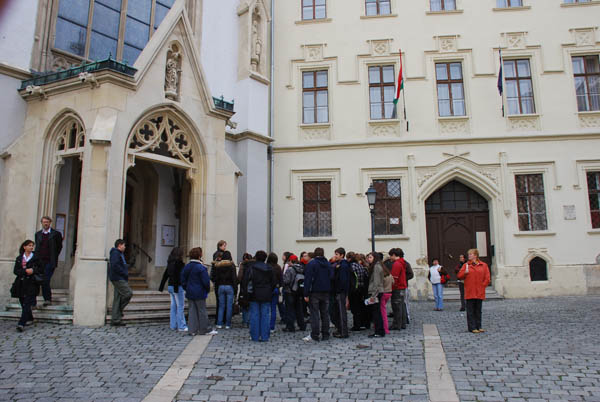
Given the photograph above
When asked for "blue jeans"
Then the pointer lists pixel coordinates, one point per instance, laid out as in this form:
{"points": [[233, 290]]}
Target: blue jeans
{"points": [[225, 304], [177, 306], [438, 295], [259, 321], [274, 302]]}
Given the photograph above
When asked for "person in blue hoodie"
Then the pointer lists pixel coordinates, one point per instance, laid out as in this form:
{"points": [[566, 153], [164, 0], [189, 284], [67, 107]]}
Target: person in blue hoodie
{"points": [[196, 283], [119, 275], [258, 284], [341, 288], [318, 275]]}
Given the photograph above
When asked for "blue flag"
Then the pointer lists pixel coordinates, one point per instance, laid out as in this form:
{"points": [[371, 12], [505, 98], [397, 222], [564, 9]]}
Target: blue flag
{"points": [[500, 81]]}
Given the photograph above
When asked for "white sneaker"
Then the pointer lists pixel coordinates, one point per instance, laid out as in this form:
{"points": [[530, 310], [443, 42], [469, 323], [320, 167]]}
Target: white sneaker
{"points": [[219, 326], [213, 332], [182, 330], [307, 338], [227, 327]]}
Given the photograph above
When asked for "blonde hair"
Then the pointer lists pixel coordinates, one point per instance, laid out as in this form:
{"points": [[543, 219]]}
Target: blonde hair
{"points": [[473, 251]]}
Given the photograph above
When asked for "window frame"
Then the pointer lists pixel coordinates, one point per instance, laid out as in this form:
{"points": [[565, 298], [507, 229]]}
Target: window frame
{"points": [[315, 89], [89, 28], [529, 194], [386, 200], [585, 76], [377, 2], [590, 192], [518, 79], [317, 202], [510, 5], [382, 86], [449, 83], [442, 6], [314, 11]]}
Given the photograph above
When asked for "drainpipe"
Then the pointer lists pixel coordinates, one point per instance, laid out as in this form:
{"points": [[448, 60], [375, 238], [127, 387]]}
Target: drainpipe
{"points": [[271, 123]]}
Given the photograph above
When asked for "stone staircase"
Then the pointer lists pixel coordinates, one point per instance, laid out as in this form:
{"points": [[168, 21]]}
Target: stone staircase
{"points": [[453, 294], [60, 312]]}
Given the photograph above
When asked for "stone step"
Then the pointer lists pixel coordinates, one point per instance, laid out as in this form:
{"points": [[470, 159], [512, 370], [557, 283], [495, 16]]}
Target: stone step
{"points": [[453, 294], [54, 308], [39, 316], [147, 317]]}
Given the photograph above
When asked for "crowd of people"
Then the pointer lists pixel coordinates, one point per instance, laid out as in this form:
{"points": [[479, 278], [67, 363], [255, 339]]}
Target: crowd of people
{"points": [[304, 289]]}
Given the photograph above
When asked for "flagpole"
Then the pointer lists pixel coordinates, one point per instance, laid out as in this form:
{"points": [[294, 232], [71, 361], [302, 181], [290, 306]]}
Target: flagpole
{"points": [[403, 92]]}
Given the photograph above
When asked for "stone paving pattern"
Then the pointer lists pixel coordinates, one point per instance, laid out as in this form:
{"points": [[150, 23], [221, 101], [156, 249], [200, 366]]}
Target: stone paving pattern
{"points": [[533, 350], [61, 362]]}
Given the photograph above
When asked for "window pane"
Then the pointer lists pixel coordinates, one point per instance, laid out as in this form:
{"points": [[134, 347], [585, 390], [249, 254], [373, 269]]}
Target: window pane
{"points": [[130, 54], [136, 33], [501, 3], [457, 91], [307, 13], [523, 68], [578, 65], [308, 99], [455, 71], [76, 11], [513, 106], [441, 72], [537, 204], [375, 94], [539, 221], [322, 98], [591, 64], [320, 2], [389, 109], [376, 111], [308, 80], [384, 8], [388, 93], [459, 107], [444, 107], [106, 21], [70, 37], [374, 75], [436, 5], [443, 92], [527, 105], [393, 188], [160, 13], [449, 5], [139, 9], [324, 190], [526, 88], [101, 47], [511, 89], [509, 69], [524, 222], [536, 183], [388, 74], [166, 3], [320, 12], [322, 114], [307, 3], [309, 115], [321, 78], [371, 8]]}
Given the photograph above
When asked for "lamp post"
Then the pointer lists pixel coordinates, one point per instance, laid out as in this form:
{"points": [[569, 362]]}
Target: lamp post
{"points": [[371, 198]]}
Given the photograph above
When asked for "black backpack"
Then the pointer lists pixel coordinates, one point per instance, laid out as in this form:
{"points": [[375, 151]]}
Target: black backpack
{"points": [[298, 283]]}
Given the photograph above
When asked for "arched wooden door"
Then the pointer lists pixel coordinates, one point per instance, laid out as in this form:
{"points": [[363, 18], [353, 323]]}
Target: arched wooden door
{"points": [[457, 219]]}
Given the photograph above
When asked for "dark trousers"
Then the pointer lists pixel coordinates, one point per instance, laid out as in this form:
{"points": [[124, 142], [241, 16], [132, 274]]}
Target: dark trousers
{"points": [[399, 309], [377, 318], [293, 311], [340, 315], [461, 287], [217, 306], [121, 299], [48, 272], [319, 315], [361, 316], [474, 314], [26, 303]]}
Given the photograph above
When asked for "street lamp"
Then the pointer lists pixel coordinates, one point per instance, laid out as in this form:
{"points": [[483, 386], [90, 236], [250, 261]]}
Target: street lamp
{"points": [[371, 197]]}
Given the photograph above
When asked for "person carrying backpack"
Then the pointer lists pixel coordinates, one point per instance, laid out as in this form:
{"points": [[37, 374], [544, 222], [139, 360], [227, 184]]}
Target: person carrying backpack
{"points": [[359, 280], [341, 289], [293, 291]]}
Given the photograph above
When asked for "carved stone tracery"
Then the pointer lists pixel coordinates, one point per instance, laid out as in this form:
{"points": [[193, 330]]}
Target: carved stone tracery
{"points": [[70, 139], [161, 134]]}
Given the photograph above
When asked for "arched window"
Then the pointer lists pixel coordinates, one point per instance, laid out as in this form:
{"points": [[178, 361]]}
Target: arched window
{"points": [[538, 269]]}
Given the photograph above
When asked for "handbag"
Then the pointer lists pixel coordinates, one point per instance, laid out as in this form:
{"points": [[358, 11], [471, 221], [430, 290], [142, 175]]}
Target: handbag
{"points": [[38, 278], [17, 286]]}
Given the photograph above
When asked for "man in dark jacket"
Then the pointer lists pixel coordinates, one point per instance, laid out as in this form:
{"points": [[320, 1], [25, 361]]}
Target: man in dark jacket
{"points": [[318, 275], [119, 275], [258, 284], [48, 244], [341, 283]]}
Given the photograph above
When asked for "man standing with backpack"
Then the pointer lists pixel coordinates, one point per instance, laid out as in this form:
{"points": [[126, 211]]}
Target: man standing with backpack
{"points": [[318, 275], [341, 289], [293, 292]]}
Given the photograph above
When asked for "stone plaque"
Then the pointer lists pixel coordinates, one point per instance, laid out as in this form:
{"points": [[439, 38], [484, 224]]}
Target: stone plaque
{"points": [[569, 212]]}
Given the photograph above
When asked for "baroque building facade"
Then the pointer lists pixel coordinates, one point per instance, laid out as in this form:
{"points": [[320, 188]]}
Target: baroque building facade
{"points": [[455, 164], [143, 120]]}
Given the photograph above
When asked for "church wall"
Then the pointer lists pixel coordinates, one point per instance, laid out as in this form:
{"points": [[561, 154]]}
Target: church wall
{"points": [[17, 27]]}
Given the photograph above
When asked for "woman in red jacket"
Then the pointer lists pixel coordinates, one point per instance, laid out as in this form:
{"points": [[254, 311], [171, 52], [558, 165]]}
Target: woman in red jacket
{"points": [[476, 275]]}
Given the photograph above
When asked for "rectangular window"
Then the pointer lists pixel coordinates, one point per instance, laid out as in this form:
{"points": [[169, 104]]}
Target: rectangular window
{"points": [[388, 207], [519, 87], [509, 3], [593, 182], [315, 107], [378, 7], [442, 5], [450, 90], [531, 203], [316, 196], [577, 1], [587, 82], [381, 92], [100, 39], [313, 9]]}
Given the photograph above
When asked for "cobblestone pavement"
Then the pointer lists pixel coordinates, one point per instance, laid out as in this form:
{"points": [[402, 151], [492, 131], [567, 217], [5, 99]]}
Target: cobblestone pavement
{"points": [[543, 349], [59, 362]]}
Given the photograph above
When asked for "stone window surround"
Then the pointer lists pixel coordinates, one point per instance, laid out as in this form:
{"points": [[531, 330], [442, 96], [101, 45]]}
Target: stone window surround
{"points": [[582, 167], [508, 54], [589, 3], [543, 168], [451, 58]]}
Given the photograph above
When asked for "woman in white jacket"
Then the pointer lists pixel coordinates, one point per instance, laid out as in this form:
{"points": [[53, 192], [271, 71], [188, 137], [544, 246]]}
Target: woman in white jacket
{"points": [[436, 283]]}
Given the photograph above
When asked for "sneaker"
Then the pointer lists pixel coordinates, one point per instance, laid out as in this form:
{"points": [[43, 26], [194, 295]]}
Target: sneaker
{"points": [[20, 328], [28, 323], [227, 327], [481, 330], [219, 326], [183, 329], [213, 332], [475, 331], [307, 338]]}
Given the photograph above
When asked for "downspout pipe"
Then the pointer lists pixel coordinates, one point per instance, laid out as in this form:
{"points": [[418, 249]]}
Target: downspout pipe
{"points": [[271, 125]]}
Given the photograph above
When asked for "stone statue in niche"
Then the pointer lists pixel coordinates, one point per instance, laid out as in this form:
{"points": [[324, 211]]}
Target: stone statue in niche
{"points": [[172, 72], [256, 42]]}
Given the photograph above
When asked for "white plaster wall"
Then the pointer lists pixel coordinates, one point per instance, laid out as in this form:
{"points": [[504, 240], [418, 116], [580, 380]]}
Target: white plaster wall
{"points": [[165, 213], [252, 106], [17, 28], [12, 113]]}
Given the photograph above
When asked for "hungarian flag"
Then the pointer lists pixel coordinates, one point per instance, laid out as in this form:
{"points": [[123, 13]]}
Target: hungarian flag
{"points": [[400, 86]]}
